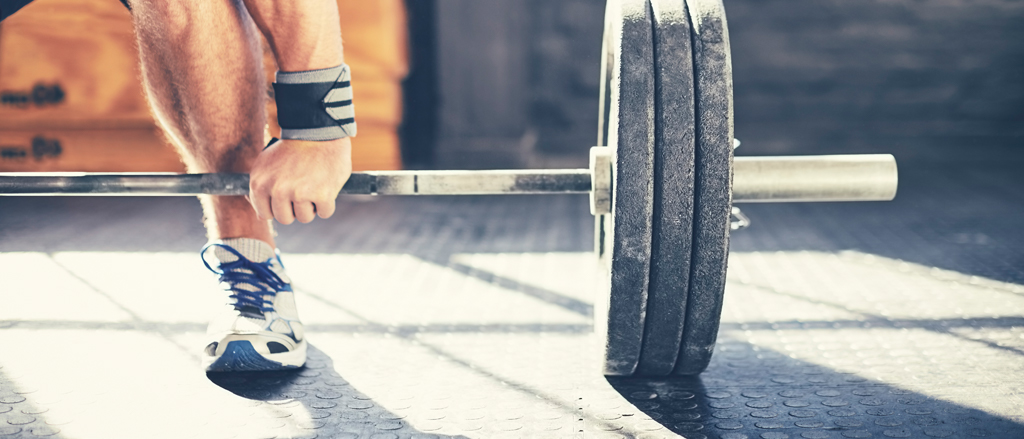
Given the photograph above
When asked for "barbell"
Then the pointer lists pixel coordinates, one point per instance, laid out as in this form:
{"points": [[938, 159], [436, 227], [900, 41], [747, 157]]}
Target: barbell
{"points": [[661, 183]]}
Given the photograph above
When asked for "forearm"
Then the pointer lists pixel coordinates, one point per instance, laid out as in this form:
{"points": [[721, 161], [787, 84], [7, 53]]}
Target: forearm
{"points": [[303, 34], [300, 177]]}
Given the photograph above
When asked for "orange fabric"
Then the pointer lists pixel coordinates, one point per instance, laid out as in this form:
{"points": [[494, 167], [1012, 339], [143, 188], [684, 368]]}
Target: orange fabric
{"points": [[375, 37], [87, 150], [86, 49]]}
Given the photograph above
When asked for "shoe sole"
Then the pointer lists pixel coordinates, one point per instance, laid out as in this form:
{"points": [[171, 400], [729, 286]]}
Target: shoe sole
{"points": [[240, 356]]}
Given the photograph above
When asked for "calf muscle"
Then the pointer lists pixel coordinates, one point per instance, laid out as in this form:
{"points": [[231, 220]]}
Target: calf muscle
{"points": [[201, 66]]}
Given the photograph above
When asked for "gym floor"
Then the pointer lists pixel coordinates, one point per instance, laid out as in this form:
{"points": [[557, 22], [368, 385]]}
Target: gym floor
{"points": [[472, 317]]}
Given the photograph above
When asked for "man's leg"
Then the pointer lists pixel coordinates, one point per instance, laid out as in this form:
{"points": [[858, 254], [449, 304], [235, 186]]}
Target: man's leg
{"points": [[202, 67], [203, 73]]}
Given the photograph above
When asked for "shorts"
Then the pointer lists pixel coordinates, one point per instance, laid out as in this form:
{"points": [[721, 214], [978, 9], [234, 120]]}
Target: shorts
{"points": [[8, 7]]}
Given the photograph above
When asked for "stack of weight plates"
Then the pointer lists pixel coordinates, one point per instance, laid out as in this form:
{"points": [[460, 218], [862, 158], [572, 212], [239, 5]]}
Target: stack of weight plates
{"points": [[666, 110]]}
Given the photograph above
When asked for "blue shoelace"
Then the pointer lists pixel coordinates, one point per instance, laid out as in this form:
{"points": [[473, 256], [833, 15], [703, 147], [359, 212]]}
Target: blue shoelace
{"points": [[259, 276]]}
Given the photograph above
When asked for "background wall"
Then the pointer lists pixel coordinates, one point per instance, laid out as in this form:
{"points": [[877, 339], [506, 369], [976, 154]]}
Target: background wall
{"points": [[518, 79], [879, 75], [518, 82]]}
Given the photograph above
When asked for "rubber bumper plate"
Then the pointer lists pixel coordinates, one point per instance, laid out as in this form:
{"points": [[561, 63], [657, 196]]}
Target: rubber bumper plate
{"points": [[713, 189], [631, 137], [672, 225]]}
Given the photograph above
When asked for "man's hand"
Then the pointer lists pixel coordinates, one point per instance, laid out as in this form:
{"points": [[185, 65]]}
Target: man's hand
{"points": [[298, 180]]}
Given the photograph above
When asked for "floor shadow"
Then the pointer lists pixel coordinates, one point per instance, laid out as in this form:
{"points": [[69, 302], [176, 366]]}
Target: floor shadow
{"points": [[753, 392], [310, 402], [328, 404], [676, 403], [19, 417]]}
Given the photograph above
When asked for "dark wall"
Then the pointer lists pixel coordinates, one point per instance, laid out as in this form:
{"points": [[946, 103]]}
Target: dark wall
{"points": [[518, 82], [518, 79], [420, 93], [910, 77], [565, 52], [483, 63]]}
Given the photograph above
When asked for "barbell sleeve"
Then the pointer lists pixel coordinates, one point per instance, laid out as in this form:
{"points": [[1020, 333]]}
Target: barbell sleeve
{"points": [[780, 179]]}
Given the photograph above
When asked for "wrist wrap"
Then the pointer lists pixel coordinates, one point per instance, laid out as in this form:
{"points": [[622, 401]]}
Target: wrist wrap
{"points": [[316, 104]]}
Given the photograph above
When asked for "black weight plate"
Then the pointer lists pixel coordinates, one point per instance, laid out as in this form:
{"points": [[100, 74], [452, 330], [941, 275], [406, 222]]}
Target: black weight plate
{"points": [[672, 230], [713, 194], [631, 135]]}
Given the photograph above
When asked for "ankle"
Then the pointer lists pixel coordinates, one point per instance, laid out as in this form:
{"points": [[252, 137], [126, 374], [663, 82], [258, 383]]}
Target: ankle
{"points": [[231, 217]]}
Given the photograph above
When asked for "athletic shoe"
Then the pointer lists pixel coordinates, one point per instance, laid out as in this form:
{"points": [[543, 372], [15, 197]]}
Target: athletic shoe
{"points": [[259, 329]]}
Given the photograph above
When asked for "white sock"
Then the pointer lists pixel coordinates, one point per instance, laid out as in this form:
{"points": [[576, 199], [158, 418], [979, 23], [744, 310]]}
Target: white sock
{"points": [[252, 249]]}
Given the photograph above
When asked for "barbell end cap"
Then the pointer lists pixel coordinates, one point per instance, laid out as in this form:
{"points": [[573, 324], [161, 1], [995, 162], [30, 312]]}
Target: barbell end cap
{"points": [[882, 181], [600, 180], [895, 181]]}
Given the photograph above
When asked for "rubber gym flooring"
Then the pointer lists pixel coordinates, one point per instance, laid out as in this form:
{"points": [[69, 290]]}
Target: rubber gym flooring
{"points": [[471, 317]]}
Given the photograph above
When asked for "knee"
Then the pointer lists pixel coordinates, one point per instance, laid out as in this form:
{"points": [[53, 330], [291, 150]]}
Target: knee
{"points": [[178, 18]]}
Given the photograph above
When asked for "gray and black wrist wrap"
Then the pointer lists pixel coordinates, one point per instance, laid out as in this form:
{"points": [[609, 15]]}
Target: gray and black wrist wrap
{"points": [[316, 104]]}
